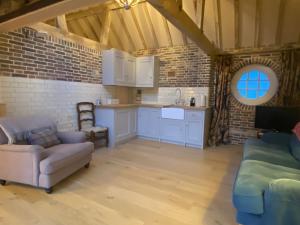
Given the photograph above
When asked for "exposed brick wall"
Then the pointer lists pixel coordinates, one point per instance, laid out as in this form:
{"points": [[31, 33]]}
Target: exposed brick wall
{"points": [[182, 66], [242, 116], [22, 54]]}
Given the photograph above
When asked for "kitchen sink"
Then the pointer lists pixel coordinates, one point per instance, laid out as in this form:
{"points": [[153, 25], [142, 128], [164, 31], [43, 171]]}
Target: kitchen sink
{"points": [[172, 112]]}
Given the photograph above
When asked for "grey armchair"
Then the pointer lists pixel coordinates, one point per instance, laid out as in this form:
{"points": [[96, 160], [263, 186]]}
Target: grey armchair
{"points": [[38, 166]]}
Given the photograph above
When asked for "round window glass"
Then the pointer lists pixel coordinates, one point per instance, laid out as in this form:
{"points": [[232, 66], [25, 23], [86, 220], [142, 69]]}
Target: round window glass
{"points": [[254, 84]]}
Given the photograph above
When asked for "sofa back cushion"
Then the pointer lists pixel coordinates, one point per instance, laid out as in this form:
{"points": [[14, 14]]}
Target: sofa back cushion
{"points": [[295, 147], [3, 138], [45, 137], [16, 128]]}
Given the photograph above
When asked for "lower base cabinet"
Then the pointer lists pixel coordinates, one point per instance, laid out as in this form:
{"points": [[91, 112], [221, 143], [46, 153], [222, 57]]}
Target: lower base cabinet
{"points": [[145, 122], [120, 122]]}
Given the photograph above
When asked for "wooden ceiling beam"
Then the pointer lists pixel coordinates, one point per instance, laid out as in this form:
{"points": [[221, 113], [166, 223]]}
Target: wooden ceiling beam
{"points": [[121, 19], [219, 23], [257, 33], [202, 15], [61, 23], [280, 22], [136, 22], [106, 27], [169, 37], [149, 20], [237, 24], [41, 11], [172, 11]]}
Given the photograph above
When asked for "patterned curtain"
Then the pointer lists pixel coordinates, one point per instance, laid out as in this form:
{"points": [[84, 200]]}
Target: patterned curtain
{"points": [[289, 90], [219, 129]]}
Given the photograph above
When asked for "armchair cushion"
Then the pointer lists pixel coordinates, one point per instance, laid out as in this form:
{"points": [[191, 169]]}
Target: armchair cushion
{"points": [[64, 155], [71, 137], [44, 137]]}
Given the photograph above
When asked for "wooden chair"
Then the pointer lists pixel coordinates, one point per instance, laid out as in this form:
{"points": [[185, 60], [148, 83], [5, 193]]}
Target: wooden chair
{"points": [[86, 114]]}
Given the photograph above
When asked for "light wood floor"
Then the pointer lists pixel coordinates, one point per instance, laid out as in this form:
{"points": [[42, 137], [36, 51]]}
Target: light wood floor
{"points": [[138, 183]]}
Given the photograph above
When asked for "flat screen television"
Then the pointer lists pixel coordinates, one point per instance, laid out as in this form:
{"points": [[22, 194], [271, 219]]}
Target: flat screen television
{"points": [[281, 119]]}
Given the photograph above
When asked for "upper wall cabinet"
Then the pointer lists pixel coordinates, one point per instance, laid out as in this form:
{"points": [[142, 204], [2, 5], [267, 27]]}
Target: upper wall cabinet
{"points": [[122, 69], [147, 71]]}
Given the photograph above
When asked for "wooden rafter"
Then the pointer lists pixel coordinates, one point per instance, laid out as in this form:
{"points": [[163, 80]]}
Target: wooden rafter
{"points": [[172, 11], [202, 15], [280, 22], [87, 29], [127, 33], [106, 26], [219, 23], [169, 37], [95, 26], [148, 19], [41, 11], [257, 33], [61, 23], [236, 23], [138, 28]]}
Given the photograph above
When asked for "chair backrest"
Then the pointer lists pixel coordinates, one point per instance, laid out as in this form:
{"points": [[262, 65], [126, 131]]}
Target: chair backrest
{"points": [[86, 113]]}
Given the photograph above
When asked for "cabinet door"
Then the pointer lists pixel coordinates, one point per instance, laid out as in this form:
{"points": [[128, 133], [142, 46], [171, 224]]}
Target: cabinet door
{"points": [[133, 122], [154, 119], [119, 68], [145, 72], [122, 124], [143, 122], [129, 71], [194, 133], [172, 130]]}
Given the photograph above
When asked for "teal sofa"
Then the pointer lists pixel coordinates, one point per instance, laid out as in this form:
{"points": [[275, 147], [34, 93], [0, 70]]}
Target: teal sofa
{"points": [[267, 185]]}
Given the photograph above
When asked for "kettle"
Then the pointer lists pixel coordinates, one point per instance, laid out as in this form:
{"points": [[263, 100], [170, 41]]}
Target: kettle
{"points": [[193, 101]]}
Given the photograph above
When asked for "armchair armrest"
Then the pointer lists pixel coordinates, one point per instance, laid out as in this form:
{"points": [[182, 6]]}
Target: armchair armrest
{"points": [[276, 138], [72, 137], [282, 203], [20, 163]]}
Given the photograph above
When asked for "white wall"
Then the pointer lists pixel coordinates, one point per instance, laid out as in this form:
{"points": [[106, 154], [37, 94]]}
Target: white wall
{"points": [[56, 99], [166, 95]]}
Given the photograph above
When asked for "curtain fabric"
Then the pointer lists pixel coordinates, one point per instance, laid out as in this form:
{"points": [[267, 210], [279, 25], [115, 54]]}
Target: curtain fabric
{"points": [[289, 90], [219, 129]]}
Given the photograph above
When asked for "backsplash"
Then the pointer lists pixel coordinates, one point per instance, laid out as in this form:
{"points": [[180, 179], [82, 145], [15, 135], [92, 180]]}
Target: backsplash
{"points": [[167, 95]]}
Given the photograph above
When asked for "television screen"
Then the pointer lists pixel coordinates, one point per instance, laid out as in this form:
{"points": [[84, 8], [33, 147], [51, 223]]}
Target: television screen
{"points": [[282, 119]]}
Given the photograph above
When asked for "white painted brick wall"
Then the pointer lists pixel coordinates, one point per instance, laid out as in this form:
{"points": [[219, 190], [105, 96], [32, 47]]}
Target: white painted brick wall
{"points": [[56, 99]]}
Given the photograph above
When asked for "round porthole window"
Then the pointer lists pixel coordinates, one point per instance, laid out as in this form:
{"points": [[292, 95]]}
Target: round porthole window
{"points": [[254, 84]]}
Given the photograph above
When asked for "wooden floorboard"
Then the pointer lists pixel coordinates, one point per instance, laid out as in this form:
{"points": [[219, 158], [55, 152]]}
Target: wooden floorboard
{"points": [[138, 183]]}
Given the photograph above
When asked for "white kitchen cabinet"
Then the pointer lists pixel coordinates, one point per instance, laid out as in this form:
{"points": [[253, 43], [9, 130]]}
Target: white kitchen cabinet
{"points": [[172, 130], [148, 122], [121, 123], [195, 128], [129, 70], [122, 69], [147, 71], [113, 67]]}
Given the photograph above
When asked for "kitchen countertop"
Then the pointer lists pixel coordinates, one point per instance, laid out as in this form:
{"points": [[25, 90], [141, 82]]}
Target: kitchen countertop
{"points": [[120, 106]]}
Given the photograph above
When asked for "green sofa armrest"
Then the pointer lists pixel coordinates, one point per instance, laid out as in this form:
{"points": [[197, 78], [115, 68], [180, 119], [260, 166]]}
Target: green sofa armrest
{"points": [[282, 203]]}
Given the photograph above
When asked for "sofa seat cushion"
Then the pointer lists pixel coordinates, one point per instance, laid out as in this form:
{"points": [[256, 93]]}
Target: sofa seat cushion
{"points": [[63, 155], [295, 147], [253, 180], [270, 155], [254, 142]]}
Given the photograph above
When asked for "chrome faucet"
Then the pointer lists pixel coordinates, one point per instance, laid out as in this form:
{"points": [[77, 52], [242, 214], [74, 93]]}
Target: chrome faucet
{"points": [[179, 100]]}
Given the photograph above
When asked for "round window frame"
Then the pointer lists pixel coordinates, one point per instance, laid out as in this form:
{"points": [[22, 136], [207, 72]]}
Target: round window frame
{"points": [[259, 101]]}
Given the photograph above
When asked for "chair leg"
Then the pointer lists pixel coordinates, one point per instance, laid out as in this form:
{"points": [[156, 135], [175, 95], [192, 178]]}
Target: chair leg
{"points": [[49, 190], [87, 165], [2, 182], [106, 138], [93, 137]]}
